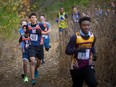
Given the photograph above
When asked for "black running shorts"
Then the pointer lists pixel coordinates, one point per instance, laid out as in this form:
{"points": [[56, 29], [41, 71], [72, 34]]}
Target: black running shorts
{"points": [[35, 51]]}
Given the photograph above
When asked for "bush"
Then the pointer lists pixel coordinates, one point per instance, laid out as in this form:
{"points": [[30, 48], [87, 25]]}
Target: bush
{"points": [[9, 17]]}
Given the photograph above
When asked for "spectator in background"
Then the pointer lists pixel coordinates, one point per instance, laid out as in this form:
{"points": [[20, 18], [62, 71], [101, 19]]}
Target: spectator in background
{"points": [[113, 7], [107, 12], [98, 12], [75, 18]]}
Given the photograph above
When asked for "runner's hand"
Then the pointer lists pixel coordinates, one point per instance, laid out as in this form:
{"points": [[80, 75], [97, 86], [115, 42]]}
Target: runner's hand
{"points": [[18, 45], [75, 63], [91, 62]]}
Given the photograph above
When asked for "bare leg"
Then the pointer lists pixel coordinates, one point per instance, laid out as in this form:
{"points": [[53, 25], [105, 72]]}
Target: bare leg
{"points": [[37, 64], [32, 67], [25, 62]]}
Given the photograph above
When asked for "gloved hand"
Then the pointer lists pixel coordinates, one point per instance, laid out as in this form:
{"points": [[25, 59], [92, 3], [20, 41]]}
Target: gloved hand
{"points": [[57, 20], [94, 57]]}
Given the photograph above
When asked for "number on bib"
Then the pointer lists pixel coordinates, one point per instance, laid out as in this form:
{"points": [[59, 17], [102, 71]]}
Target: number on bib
{"points": [[34, 37], [84, 56]]}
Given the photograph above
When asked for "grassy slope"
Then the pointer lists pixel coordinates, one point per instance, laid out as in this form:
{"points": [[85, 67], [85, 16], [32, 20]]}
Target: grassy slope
{"points": [[9, 18]]}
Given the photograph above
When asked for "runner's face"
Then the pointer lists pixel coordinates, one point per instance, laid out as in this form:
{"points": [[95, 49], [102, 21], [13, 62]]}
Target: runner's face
{"points": [[85, 27], [33, 19], [75, 10], [42, 18], [24, 28], [62, 10]]}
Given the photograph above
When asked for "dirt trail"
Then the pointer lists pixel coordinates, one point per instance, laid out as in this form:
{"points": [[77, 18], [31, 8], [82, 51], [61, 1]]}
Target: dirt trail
{"points": [[11, 65]]}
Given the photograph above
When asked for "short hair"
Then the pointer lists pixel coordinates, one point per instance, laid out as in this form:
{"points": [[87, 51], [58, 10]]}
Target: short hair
{"points": [[25, 26], [84, 19], [43, 15], [61, 8], [32, 14]]}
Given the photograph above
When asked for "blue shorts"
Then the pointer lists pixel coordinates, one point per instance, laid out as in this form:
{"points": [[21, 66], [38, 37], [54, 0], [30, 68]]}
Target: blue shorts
{"points": [[47, 42], [25, 55]]}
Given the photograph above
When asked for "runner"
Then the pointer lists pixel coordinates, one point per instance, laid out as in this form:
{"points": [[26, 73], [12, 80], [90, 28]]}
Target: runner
{"points": [[26, 41], [47, 30], [62, 21], [45, 36], [35, 51], [22, 30], [81, 45]]}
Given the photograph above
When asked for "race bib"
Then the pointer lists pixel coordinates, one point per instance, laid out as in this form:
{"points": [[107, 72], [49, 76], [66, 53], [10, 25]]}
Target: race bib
{"points": [[84, 56], [34, 37], [45, 36]]}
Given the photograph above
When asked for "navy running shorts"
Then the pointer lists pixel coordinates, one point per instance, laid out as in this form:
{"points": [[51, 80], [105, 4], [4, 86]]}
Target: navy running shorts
{"points": [[25, 55]]}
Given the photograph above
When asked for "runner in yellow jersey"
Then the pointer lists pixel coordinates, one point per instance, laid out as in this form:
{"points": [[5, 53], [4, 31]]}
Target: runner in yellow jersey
{"points": [[62, 20]]}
